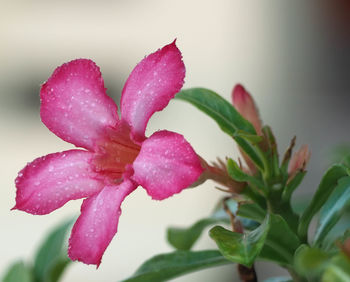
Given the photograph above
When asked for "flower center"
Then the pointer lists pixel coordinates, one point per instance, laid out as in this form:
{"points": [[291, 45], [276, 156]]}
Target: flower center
{"points": [[114, 153]]}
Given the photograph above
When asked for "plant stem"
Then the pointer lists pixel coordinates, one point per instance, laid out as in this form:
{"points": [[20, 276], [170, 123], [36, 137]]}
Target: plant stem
{"points": [[247, 274]]}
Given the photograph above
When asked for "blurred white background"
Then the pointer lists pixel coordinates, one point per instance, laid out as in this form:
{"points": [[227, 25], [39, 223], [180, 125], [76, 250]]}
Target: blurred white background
{"points": [[292, 56]]}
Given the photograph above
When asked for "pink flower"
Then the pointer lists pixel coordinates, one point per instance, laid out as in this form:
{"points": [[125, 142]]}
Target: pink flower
{"points": [[118, 156], [299, 161], [245, 105]]}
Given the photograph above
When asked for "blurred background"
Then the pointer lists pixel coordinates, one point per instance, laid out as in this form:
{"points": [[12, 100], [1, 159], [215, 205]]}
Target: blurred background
{"points": [[293, 57]]}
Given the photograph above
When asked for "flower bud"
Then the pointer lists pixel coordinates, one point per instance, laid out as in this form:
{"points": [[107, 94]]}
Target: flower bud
{"points": [[245, 105], [299, 160]]}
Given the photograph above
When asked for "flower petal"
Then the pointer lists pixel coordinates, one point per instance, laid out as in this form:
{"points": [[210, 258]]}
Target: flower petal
{"points": [[74, 103], [166, 165], [97, 224], [49, 182], [299, 160], [150, 86], [245, 105]]}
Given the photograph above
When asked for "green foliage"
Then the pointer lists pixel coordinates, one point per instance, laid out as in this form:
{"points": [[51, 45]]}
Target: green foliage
{"points": [[226, 116], [310, 262], [282, 235], [338, 270], [237, 174], [228, 119], [333, 209], [167, 266], [331, 245], [278, 279], [251, 211], [325, 189], [50, 260], [292, 185], [18, 272], [184, 238], [281, 242], [238, 247]]}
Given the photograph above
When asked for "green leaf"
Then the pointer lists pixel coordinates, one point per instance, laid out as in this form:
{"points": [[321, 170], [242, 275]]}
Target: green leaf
{"points": [[310, 262], [281, 242], [252, 151], [226, 116], [333, 209], [167, 266], [250, 214], [251, 138], [332, 244], [279, 279], [18, 272], [240, 248], [251, 211], [338, 270], [326, 187], [273, 152], [58, 268], [184, 238], [51, 258], [292, 185], [237, 174]]}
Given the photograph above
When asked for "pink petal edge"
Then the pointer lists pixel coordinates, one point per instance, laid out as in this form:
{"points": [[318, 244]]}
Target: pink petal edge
{"points": [[150, 87], [98, 223], [166, 165], [245, 105], [299, 159], [74, 103], [49, 182]]}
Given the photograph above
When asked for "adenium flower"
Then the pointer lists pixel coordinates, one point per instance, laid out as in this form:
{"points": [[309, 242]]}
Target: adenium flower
{"points": [[299, 160], [245, 105], [117, 156]]}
